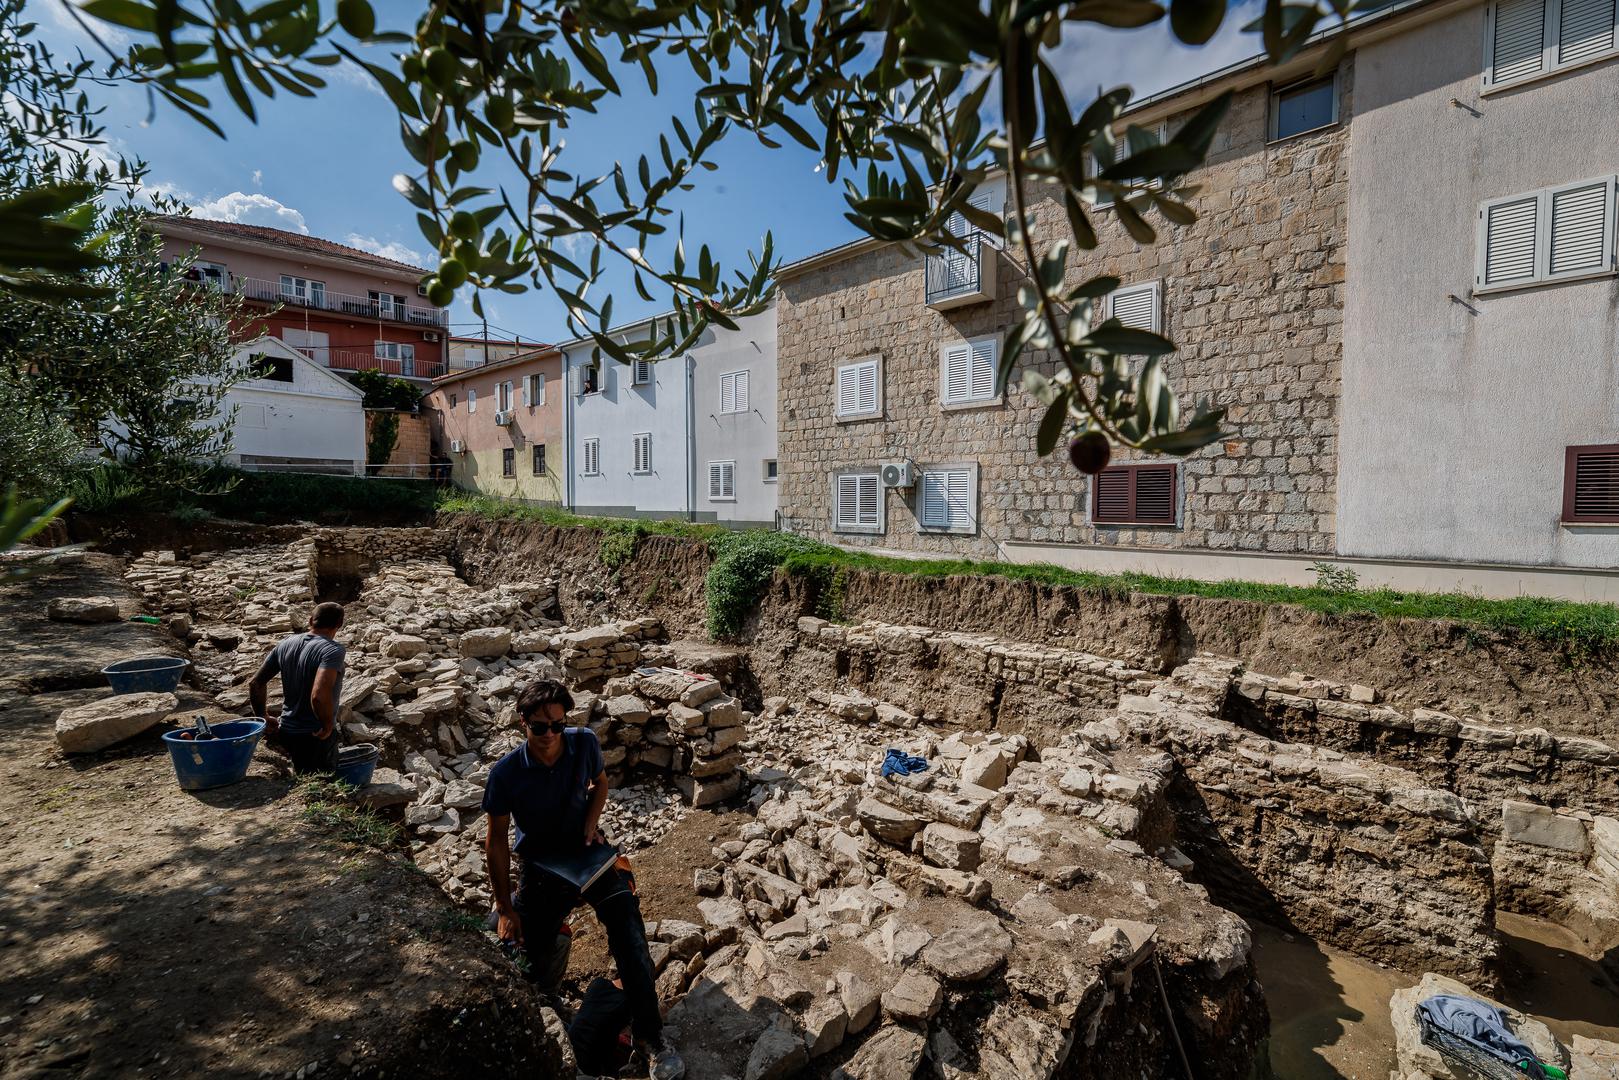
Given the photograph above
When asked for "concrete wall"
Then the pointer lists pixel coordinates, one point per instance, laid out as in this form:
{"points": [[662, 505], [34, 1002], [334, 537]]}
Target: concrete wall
{"points": [[478, 467], [412, 447], [614, 415], [1252, 293], [315, 418], [1456, 409], [747, 438]]}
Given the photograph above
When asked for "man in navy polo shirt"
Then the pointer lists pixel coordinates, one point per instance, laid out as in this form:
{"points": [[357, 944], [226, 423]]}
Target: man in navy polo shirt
{"points": [[555, 786]]}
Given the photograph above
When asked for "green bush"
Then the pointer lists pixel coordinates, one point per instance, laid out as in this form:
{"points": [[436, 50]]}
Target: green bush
{"points": [[263, 496], [740, 573]]}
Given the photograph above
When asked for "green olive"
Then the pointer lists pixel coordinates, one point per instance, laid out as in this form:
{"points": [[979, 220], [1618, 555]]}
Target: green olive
{"points": [[411, 68], [463, 226], [440, 294], [356, 17], [441, 67], [465, 153], [452, 273], [467, 254], [500, 114]]}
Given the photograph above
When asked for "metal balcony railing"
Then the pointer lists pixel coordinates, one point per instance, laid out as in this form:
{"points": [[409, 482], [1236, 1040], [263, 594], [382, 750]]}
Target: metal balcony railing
{"points": [[953, 274], [366, 359], [322, 299]]}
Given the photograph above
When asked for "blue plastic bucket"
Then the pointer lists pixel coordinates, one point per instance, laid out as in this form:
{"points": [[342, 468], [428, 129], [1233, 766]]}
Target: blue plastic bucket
{"points": [[147, 674], [356, 763], [214, 762]]}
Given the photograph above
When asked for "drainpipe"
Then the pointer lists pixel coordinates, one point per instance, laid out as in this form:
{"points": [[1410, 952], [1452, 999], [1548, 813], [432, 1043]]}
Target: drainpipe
{"points": [[567, 433], [691, 442]]}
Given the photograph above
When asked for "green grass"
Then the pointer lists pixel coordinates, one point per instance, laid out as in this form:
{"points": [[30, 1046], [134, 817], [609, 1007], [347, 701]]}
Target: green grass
{"points": [[328, 806], [1583, 629]]}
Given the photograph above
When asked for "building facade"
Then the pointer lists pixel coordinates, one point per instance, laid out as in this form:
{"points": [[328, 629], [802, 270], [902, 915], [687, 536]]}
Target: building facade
{"points": [[1480, 411], [691, 436], [471, 352], [345, 309], [296, 416], [500, 427], [888, 358]]}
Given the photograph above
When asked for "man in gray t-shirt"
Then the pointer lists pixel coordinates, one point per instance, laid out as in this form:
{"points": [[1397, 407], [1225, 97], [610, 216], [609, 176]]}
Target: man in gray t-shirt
{"points": [[311, 670]]}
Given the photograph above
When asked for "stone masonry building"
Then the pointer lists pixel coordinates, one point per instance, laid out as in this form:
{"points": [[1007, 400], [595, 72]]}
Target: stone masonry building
{"points": [[1252, 294]]}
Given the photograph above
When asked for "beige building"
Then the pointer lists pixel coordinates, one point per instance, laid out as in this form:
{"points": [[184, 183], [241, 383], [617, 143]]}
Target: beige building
{"points": [[890, 358], [500, 426], [469, 352]]}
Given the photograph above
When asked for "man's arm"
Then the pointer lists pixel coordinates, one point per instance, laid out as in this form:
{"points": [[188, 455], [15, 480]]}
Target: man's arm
{"points": [[258, 689], [498, 857], [323, 699], [593, 813]]}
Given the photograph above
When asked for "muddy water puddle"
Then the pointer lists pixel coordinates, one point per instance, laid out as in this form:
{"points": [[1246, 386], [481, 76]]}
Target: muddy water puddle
{"points": [[1330, 1010]]}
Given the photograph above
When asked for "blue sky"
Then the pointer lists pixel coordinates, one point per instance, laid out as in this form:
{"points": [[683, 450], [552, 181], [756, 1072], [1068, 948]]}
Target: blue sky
{"points": [[325, 166]]}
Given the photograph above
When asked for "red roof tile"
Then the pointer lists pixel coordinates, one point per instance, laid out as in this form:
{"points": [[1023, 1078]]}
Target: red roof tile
{"points": [[300, 241]]}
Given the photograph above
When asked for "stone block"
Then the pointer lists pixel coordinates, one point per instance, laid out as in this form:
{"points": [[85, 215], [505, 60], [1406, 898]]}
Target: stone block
{"points": [[84, 729], [703, 690], [887, 822], [403, 646], [82, 609], [1541, 826], [952, 848], [916, 998], [860, 999], [705, 791], [985, 767], [893, 1053]]}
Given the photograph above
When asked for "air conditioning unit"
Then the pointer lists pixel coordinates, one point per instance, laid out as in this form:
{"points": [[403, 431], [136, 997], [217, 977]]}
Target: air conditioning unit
{"points": [[432, 335], [421, 290], [457, 446], [503, 418], [898, 474]]}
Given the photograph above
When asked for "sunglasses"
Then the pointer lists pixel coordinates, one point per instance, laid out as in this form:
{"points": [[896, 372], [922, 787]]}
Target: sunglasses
{"points": [[555, 727]]}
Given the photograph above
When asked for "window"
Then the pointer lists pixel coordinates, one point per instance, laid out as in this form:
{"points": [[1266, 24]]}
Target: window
{"points": [[967, 372], [1303, 107], [1591, 485], [1137, 306], [534, 390], [1134, 495], [588, 378], [272, 368], [387, 305], [503, 396], [472, 400], [770, 470], [453, 400], [404, 353], [302, 290], [1548, 235], [508, 462], [858, 394], [721, 481], [640, 372], [991, 200], [539, 459], [592, 465], [946, 499], [1103, 155], [643, 453], [734, 392], [857, 503], [1524, 39], [209, 273]]}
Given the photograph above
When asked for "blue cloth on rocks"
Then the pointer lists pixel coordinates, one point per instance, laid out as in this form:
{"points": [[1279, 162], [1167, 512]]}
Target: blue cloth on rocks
{"points": [[1478, 1022], [899, 763]]}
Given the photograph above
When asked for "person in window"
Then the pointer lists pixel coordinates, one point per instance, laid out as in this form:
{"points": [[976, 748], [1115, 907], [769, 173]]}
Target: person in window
{"points": [[555, 785], [311, 670]]}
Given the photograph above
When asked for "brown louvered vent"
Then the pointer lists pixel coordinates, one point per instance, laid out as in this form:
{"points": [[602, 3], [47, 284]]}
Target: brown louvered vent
{"points": [[1591, 483], [1134, 495]]}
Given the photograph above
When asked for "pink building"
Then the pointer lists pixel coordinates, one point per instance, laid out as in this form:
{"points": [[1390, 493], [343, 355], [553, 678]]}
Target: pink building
{"points": [[342, 307]]}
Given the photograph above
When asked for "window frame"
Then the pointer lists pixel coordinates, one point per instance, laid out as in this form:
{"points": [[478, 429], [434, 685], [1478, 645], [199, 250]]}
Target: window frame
{"points": [[972, 400], [213, 274], [591, 378], [1571, 457], [590, 454], [1551, 18], [503, 396], [739, 380], [1135, 468], [769, 475], [314, 292], [855, 527], [640, 373], [537, 459], [636, 442], [876, 362], [472, 400], [534, 390], [721, 466], [1542, 274], [1273, 121], [1156, 288], [508, 462], [403, 351], [925, 526]]}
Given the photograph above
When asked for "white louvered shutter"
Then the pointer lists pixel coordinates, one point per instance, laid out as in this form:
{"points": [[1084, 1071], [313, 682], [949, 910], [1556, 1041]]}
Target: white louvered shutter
{"points": [[983, 369], [643, 372], [727, 394], [740, 391], [869, 496], [1136, 307], [1517, 40], [525, 382], [935, 500], [848, 390], [722, 479], [1585, 29], [958, 363], [868, 387], [592, 455], [848, 500], [1581, 228], [578, 381], [643, 453], [539, 390], [1509, 233]]}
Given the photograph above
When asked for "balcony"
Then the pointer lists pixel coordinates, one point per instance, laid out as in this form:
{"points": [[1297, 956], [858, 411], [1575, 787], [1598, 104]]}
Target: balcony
{"points": [[958, 278], [366, 360], [321, 299]]}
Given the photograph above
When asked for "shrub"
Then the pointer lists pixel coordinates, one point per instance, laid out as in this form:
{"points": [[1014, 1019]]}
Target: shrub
{"points": [[741, 571]]}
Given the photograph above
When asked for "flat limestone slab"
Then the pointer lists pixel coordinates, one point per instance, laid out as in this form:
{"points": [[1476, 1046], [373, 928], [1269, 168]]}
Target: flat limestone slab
{"points": [[84, 729]]}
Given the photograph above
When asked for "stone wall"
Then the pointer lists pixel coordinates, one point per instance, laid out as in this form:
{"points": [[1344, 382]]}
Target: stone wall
{"points": [[1252, 293]]}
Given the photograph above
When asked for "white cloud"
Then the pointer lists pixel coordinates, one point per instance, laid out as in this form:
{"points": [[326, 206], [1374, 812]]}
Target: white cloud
{"points": [[114, 37], [258, 177], [250, 209], [393, 249], [1150, 59]]}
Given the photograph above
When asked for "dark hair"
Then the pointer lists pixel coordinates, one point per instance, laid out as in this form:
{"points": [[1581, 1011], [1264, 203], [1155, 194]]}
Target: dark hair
{"points": [[542, 692], [327, 616]]}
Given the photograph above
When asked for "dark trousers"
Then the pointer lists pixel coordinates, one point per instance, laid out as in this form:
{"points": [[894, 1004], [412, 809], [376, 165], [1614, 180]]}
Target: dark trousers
{"points": [[543, 902], [309, 753], [597, 1027]]}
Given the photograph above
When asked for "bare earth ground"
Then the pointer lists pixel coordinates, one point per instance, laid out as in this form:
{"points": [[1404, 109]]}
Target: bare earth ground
{"points": [[145, 931]]}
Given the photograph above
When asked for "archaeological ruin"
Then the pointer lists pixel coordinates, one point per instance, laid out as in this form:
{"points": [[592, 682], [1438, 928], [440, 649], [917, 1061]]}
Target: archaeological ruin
{"points": [[1124, 794]]}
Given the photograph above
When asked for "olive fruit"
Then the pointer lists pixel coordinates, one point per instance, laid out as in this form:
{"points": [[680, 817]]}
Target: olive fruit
{"points": [[1090, 452], [453, 273], [501, 114], [439, 294], [467, 254], [440, 66], [463, 226], [465, 153], [411, 68], [356, 17]]}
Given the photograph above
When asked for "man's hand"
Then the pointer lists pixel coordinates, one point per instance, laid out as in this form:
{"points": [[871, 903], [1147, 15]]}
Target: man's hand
{"points": [[508, 925], [326, 731], [272, 725], [593, 834]]}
